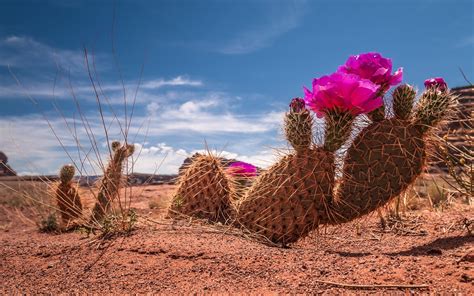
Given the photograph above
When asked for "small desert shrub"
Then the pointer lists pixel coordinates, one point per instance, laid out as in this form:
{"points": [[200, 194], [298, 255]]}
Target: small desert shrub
{"points": [[112, 225], [438, 195], [157, 203], [49, 224]]}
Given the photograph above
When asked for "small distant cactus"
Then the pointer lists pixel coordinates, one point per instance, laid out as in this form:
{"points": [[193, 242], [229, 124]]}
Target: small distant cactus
{"points": [[112, 180], [67, 196]]}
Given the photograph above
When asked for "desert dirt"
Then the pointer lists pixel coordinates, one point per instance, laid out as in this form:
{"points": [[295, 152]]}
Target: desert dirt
{"points": [[429, 252]]}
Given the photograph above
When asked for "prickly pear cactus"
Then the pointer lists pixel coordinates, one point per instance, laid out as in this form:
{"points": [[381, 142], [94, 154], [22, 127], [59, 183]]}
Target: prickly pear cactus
{"points": [[203, 191], [286, 201], [67, 197], [297, 194], [387, 156], [112, 180]]}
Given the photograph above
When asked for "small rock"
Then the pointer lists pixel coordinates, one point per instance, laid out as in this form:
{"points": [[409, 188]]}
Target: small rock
{"points": [[465, 278], [434, 252]]}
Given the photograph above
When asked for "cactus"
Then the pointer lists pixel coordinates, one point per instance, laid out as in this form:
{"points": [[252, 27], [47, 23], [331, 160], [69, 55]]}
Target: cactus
{"points": [[67, 197], [284, 202], [387, 156], [403, 98], [203, 191], [112, 180], [297, 194]]}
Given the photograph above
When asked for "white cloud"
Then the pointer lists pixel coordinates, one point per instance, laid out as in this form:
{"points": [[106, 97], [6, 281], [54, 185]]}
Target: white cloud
{"points": [[280, 20], [468, 41], [197, 116], [164, 159], [83, 89], [25, 52], [152, 109], [32, 147], [177, 81]]}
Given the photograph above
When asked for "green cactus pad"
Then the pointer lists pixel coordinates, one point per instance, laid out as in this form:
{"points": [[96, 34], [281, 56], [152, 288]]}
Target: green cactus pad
{"points": [[286, 201], [204, 191], [382, 162], [299, 129], [403, 98], [67, 196]]}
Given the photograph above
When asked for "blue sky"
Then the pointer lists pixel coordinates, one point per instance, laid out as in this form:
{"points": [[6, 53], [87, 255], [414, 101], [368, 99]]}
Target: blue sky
{"points": [[215, 72]]}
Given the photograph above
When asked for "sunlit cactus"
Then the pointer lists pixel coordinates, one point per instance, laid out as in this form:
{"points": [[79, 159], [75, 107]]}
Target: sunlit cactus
{"points": [[387, 156], [203, 191], [299, 125], [112, 180], [297, 194], [403, 99], [67, 196]]}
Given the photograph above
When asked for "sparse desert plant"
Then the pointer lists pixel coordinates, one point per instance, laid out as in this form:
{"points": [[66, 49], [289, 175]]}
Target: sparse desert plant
{"points": [[49, 224], [438, 195], [112, 180], [297, 194], [460, 165], [67, 196]]}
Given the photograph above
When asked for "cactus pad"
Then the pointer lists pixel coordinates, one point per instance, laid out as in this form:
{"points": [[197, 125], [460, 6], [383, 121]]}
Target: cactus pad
{"points": [[204, 191], [383, 161], [67, 197], [286, 201]]}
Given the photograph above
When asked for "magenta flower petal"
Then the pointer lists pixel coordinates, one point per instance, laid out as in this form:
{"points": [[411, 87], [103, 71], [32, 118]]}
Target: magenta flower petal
{"points": [[397, 77], [242, 169], [297, 105], [374, 67], [436, 82], [342, 92]]}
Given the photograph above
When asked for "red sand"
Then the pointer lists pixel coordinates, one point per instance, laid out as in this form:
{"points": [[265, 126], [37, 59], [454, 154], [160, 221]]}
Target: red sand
{"points": [[176, 258]]}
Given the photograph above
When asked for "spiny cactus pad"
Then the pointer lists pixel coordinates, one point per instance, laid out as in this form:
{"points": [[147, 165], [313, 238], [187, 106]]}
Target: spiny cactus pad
{"points": [[299, 129], [204, 191], [67, 173], [112, 180], [383, 161], [286, 201], [67, 197], [403, 98]]}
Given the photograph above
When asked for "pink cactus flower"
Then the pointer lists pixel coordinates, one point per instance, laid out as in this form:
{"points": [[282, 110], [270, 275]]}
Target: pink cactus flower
{"points": [[297, 105], [436, 82], [343, 92], [242, 169], [374, 67]]}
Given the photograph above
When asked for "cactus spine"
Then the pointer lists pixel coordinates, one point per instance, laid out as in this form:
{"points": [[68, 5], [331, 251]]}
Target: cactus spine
{"points": [[112, 180], [67, 197]]}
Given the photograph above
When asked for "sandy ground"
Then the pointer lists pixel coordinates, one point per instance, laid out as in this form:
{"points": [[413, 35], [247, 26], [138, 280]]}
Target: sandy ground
{"points": [[432, 252]]}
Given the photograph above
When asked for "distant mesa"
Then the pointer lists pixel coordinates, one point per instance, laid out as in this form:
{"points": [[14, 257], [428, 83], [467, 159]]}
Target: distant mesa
{"points": [[5, 169]]}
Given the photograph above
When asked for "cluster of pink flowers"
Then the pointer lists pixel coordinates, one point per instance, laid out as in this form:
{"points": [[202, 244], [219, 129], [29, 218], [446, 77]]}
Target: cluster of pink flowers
{"points": [[357, 87]]}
